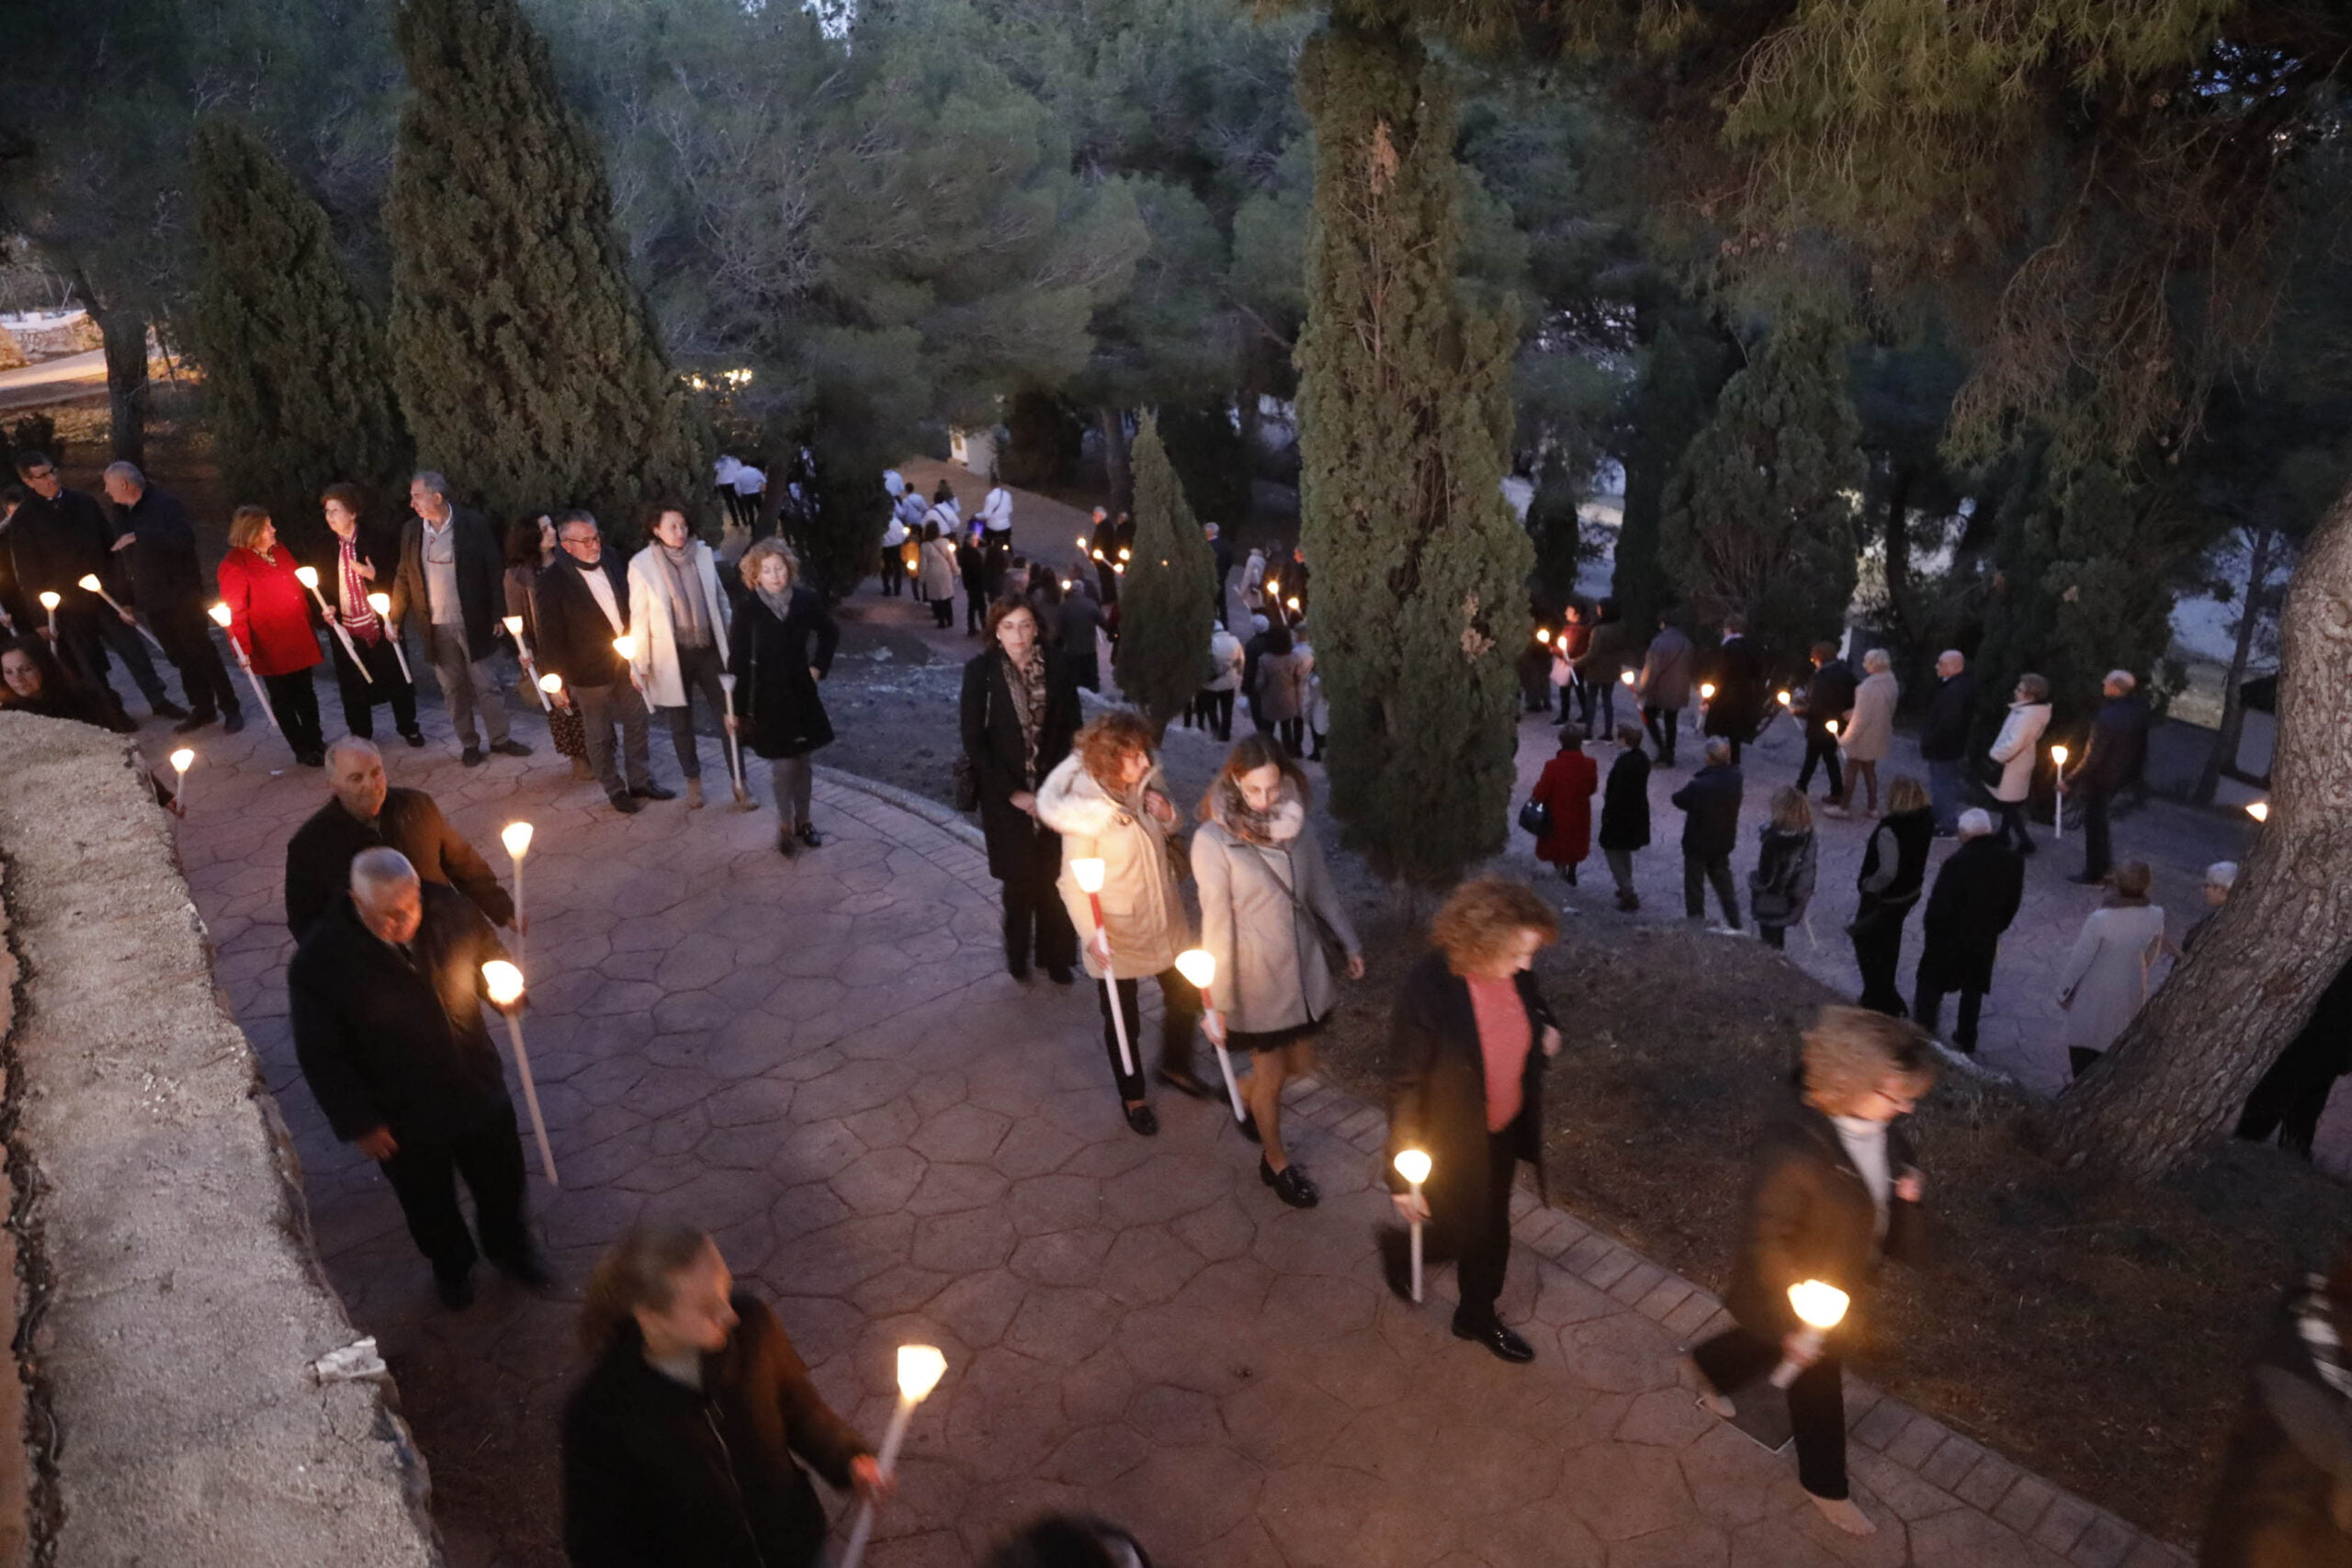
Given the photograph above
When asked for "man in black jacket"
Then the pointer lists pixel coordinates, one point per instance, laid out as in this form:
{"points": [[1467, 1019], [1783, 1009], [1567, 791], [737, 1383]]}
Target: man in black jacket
{"points": [[2292, 1096], [1736, 710], [153, 533], [1943, 738], [2111, 763], [58, 537], [386, 1000], [450, 591], [583, 603], [1828, 696], [1710, 803], [367, 812], [1975, 897]]}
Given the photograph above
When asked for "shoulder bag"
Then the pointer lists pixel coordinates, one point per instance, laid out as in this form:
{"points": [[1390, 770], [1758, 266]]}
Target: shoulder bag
{"points": [[1535, 817]]}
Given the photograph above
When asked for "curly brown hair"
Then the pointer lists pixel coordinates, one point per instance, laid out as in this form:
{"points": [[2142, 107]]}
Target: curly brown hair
{"points": [[758, 554], [1851, 1052], [1476, 923], [1106, 742]]}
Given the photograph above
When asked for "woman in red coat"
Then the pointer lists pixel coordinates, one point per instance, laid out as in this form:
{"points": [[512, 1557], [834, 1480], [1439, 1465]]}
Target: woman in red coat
{"points": [[1566, 790], [269, 618]]}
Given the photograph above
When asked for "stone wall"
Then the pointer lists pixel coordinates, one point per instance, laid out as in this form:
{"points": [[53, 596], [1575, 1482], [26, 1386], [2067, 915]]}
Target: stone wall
{"points": [[173, 1300]]}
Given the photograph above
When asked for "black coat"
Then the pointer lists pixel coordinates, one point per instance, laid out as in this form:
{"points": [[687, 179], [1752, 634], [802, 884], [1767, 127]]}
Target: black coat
{"points": [[1828, 696], [319, 857], [1018, 842], [1911, 834], [782, 716], [575, 634], [1943, 734], [165, 572], [659, 1475], [1975, 897], [1710, 803], [373, 546], [481, 588], [1810, 1217], [1625, 802], [388, 1040], [1737, 709], [1437, 1078], [2289, 1462], [2119, 745], [55, 544]]}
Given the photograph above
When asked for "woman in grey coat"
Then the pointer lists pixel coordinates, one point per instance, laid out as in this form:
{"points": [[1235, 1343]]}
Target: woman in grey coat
{"points": [[1266, 900]]}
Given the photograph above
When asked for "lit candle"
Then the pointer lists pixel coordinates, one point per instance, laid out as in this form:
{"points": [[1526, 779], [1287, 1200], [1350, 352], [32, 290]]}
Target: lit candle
{"points": [[1543, 636], [221, 615], [308, 576], [1786, 701], [1706, 691], [2259, 809], [1293, 602], [517, 837], [505, 983], [1830, 726], [382, 605], [89, 583], [625, 645], [49, 601], [1821, 1308], [181, 759], [919, 1369], [1198, 964], [1087, 872], [1625, 676], [2058, 782], [1413, 1165]]}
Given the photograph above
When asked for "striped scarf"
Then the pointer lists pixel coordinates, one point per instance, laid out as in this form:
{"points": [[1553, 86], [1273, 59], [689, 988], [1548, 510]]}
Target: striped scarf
{"points": [[358, 615]]}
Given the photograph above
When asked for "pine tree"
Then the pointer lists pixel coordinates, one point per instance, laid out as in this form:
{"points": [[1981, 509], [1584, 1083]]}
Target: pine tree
{"points": [[294, 367], [1420, 568], [1760, 513], [1168, 598], [521, 353], [1680, 381]]}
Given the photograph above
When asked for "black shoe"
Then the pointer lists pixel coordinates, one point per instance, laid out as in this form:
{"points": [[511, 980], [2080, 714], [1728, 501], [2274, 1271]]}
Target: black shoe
{"points": [[471, 757], [1187, 1084], [652, 792], [168, 710], [806, 833], [623, 803], [413, 737], [1290, 1184], [510, 747], [193, 723], [1017, 969], [528, 1271], [2028, 848], [234, 721], [456, 1290], [1249, 1125], [312, 759], [1059, 974], [784, 845], [1141, 1119], [1505, 1345]]}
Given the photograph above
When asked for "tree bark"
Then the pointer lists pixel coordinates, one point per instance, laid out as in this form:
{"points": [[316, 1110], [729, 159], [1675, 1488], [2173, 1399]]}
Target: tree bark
{"points": [[124, 332], [1898, 545], [2182, 1071], [1116, 472], [2224, 752]]}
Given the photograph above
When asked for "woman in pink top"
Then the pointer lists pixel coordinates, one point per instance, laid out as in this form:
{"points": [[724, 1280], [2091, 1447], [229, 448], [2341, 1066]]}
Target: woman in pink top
{"points": [[1467, 1091]]}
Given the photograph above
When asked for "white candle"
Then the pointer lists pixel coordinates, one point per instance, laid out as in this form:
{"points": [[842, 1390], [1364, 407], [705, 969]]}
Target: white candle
{"points": [[919, 1369], [1820, 1308], [505, 983], [1413, 1165], [1198, 964]]}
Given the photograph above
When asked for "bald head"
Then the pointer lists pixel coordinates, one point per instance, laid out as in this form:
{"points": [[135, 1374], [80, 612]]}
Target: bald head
{"points": [[385, 890], [356, 775]]}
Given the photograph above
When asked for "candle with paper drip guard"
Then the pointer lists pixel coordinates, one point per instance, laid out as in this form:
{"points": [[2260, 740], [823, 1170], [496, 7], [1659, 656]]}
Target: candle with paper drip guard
{"points": [[181, 759], [1198, 964], [308, 576], [1625, 677], [514, 625], [919, 1369], [382, 605], [51, 599], [2259, 809], [222, 616], [1087, 873], [517, 837], [505, 983], [2058, 780], [1821, 1308], [1413, 1165], [743, 801], [89, 583], [1706, 691]]}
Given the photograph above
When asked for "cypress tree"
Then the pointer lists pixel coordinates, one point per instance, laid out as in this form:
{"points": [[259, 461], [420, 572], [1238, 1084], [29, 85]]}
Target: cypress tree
{"points": [[295, 374], [1760, 513], [522, 354], [1168, 598], [1420, 568], [1684, 376]]}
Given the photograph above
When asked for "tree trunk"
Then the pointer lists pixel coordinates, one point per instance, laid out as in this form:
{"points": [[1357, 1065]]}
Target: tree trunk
{"points": [[125, 335], [1898, 547], [1116, 474], [2223, 753], [2182, 1071]]}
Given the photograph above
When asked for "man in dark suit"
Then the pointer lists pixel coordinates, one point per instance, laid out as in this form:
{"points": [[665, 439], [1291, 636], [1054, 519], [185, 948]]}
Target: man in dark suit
{"points": [[2111, 763], [1736, 710], [1975, 897], [1943, 737], [1669, 668], [1827, 698], [450, 591], [153, 533], [583, 601], [386, 1003], [58, 537], [1710, 803], [364, 814]]}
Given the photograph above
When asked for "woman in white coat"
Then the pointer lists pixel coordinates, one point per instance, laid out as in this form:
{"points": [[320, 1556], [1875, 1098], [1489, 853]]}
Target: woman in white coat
{"points": [[2106, 978], [680, 619], [1103, 801], [2017, 750], [1266, 899], [1867, 731]]}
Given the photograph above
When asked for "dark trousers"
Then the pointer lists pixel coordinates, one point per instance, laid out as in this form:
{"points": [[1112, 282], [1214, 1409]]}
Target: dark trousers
{"points": [[1663, 725], [1700, 870], [2291, 1098], [697, 671], [1621, 868], [1585, 693], [1036, 923], [1293, 734], [1478, 1240], [295, 700], [359, 697], [1775, 937], [2098, 854], [1216, 712], [1878, 953], [2012, 830], [1821, 750], [1180, 1003], [424, 1177], [943, 611], [602, 710], [1926, 1010], [186, 633], [975, 608], [2080, 1059], [894, 571], [81, 647], [1738, 1357]]}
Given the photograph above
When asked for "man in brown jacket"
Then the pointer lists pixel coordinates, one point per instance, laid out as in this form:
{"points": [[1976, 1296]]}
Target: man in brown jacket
{"points": [[366, 812]]}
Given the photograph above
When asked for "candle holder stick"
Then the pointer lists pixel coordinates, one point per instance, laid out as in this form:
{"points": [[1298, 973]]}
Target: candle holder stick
{"points": [[743, 801], [308, 576], [505, 983], [220, 618], [1088, 872], [1199, 965], [1413, 1165], [382, 605], [91, 584], [919, 1369]]}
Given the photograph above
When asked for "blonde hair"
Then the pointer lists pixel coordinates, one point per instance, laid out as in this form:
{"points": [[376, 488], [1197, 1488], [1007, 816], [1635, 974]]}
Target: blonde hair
{"points": [[752, 559], [245, 526], [640, 1269], [1791, 813], [1475, 924], [1906, 793], [1849, 1053]]}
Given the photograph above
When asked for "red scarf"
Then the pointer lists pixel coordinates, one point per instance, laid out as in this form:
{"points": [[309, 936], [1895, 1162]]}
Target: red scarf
{"points": [[358, 615]]}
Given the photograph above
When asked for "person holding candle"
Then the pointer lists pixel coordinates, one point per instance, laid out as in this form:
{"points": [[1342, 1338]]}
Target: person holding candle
{"points": [[681, 621], [2112, 760], [357, 558], [582, 602], [1467, 1046], [1018, 715], [1102, 800], [154, 536], [1828, 696], [2016, 751], [448, 591], [57, 537], [784, 641], [363, 812], [386, 994], [1267, 901], [269, 618], [1276, 690], [685, 1443], [1668, 669], [1835, 1192], [1867, 733], [531, 548]]}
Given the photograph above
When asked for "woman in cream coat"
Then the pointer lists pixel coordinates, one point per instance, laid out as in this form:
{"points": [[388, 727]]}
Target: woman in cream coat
{"points": [[1265, 892], [1869, 729], [672, 581], [1102, 800], [2018, 750], [2106, 978]]}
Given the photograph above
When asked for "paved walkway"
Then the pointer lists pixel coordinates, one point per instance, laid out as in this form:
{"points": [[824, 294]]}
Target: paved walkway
{"points": [[822, 1060]]}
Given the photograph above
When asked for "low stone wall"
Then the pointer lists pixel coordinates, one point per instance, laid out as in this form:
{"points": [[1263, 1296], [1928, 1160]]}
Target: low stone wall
{"points": [[173, 1301]]}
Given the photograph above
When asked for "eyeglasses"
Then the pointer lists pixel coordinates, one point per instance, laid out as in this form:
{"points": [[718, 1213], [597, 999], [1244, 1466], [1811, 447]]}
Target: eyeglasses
{"points": [[581, 539]]}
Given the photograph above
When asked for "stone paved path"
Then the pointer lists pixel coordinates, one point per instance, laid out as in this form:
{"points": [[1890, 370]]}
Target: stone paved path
{"points": [[822, 1060]]}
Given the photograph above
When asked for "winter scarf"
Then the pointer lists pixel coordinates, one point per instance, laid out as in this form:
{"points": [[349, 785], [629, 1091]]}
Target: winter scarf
{"points": [[1028, 685], [1275, 828], [689, 614]]}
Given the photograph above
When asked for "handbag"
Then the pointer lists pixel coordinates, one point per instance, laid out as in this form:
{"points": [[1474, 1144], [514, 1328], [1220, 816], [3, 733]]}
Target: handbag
{"points": [[1535, 817]]}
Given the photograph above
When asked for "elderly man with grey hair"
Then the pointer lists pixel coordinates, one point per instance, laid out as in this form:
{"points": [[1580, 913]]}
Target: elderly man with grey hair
{"points": [[1975, 897], [1943, 737], [451, 591], [387, 994], [2111, 763], [365, 812], [154, 535]]}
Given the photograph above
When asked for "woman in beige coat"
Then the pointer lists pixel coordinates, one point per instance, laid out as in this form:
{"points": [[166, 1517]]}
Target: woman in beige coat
{"points": [[1867, 731], [1266, 899], [1102, 799]]}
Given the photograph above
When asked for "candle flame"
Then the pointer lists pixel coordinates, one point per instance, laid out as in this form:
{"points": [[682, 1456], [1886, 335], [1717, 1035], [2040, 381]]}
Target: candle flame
{"points": [[1626, 676], [2259, 809], [625, 645], [1706, 691], [380, 603], [1830, 726], [181, 759], [220, 614], [505, 981], [1197, 964], [551, 683], [1543, 636], [1821, 1306], [1293, 601], [1785, 700], [308, 576], [89, 582], [51, 600], [1413, 1165], [514, 626], [919, 1369], [2058, 755], [517, 837], [1088, 875]]}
